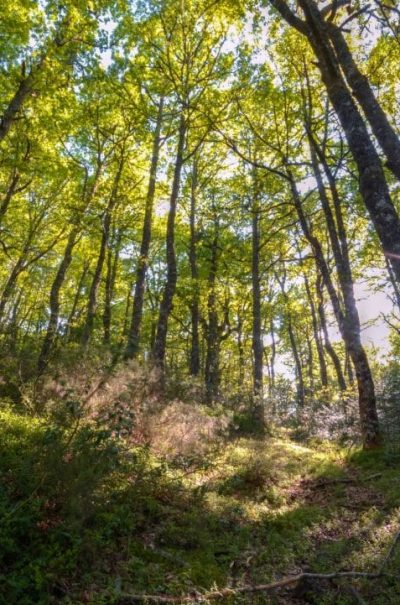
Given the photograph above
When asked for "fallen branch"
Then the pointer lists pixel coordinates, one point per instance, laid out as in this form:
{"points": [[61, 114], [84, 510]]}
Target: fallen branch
{"points": [[391, 550], [347, 480], [128, 599]]}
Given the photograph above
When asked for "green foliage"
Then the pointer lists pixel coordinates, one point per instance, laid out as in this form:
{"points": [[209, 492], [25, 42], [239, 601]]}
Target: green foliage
{"points": [[115, 478], [84, 518], [61, 502]]}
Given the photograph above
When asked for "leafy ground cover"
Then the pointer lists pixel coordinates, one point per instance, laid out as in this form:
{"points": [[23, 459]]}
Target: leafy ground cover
{"points": [[85, 519]]}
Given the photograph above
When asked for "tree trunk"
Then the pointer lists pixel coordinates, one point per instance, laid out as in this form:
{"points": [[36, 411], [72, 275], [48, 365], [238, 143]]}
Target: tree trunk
{"points": [[273, 356], [309, 363], [317, 338], [240, 347], [14, 327], [77, 296], [24, 89], [170, 285], [362, 91], [350, 329], [54, 302], [18, 268], [132, 348], [211, 371], [112, 266], [125, 326], [105, 236], [9, 194], [257, 344], [349, 368], [373, 186], [194, 305], [328, 345], [297, 362]]}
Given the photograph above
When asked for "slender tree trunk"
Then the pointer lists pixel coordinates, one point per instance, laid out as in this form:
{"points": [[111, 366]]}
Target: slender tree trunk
{"points": [[125, 326], [92, 300], [170, 285], [297, 362], [293, 343], [143, 262], [212, 373], [105, 236], [349, 325], [14, 327], [273, 356], [18, 268], [11, 189], [77, 297], [328, 345], [194, 305], [257, 344], [240, 346], [309, 363], [317, 338], [112, 266], [54, 302]]}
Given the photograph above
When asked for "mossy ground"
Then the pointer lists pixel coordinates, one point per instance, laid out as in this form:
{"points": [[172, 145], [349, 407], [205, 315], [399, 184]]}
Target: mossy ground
{"points": [[84, 522]]}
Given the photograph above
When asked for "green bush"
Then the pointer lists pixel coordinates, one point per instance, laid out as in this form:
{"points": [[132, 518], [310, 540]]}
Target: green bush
{"points": [[63, 498]]}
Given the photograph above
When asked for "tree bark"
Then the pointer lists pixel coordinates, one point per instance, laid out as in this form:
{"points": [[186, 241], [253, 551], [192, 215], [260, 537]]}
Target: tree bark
{"points": [[273, 356], [257, 343], [112, 266], [211, 370], [363, 92], [373, 186], [24, 89], [170, 285], [240, 346], [11, 189], [328, 345], [350, 329], [54, 302], [297, 362], [133, 345], [194, 305], [72, 314], [317, 338], [105, 236]]}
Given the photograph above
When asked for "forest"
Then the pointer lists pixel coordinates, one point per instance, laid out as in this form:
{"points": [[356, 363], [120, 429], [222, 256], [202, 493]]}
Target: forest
{"points": [[199, 302]]}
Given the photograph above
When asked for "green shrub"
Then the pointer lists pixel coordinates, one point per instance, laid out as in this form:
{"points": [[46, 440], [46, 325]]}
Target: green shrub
{"points": [[63, 498]]}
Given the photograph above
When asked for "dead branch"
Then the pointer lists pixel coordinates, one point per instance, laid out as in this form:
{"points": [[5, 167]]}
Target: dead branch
{"points": [[347, 480], [391, 550], [195, 596], [128, 599]]}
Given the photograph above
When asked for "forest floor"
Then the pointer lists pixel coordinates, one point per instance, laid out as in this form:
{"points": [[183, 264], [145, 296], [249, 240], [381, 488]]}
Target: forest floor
{"points": [[79, 525]]}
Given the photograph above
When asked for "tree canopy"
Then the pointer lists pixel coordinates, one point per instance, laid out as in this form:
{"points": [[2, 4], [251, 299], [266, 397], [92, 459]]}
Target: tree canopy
{"points": [[203, 187]]}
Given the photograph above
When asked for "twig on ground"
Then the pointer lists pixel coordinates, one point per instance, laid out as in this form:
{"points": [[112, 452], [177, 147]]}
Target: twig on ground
{"points": [[390, 552], [127, 599], [347, 480]]}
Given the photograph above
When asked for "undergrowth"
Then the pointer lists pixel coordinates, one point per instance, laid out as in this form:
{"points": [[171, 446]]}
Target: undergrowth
{"points": [[88, 516]]}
